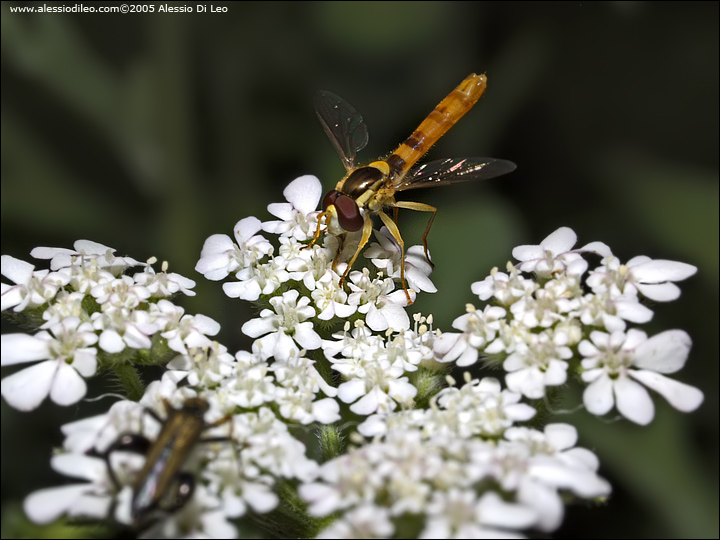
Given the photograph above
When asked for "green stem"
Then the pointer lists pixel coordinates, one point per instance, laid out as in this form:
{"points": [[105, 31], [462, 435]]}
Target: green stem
{"points": [[130, 380]]}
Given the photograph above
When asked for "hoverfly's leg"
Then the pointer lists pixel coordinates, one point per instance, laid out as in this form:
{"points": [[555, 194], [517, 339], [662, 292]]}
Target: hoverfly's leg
{"points": [[393, 228], [321, 215], [367, 231], [421, 207], [395, 214]]}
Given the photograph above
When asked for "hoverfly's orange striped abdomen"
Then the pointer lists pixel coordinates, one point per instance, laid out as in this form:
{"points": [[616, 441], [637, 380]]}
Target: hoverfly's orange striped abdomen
{"points": [[438, 122]]}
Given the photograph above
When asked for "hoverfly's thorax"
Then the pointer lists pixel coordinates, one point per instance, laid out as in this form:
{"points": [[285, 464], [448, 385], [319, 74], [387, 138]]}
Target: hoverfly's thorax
{"points": [[364, 178]]}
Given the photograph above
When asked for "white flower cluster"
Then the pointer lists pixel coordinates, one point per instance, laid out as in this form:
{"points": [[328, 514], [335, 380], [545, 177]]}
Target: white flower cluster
{"points": [[236, 473], [302, 292], [556, 321], [92, 311], [86, 308], [426, 461], [444, 470]]}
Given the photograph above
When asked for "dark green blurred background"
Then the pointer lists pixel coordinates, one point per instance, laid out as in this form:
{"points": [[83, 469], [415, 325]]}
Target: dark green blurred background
{"points": [[150, 132]]}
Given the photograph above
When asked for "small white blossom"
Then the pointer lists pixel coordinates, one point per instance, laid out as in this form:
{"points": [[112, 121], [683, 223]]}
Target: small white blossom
{"points": [[367, 521], [120, 328], [164, 284], [538, 363], [382, 308], [183, 331], [298, 215], [221, 257], [617, 365], [87, 500], [505, 288], [288, 322], [261, 279], [386, 256], [552, 255], [651, 278], [32, 288], [478, 329], [85, 251], [68, 355], [460, 513]]}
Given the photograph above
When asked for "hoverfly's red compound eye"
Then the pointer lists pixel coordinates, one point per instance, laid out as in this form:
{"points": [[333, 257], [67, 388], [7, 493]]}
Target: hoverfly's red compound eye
{"points": [[348, 213], [329, 199]]}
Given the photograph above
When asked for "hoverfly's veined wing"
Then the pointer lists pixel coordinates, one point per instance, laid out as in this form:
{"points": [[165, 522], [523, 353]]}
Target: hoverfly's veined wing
{"points": [[343, 125], [454, 170]]}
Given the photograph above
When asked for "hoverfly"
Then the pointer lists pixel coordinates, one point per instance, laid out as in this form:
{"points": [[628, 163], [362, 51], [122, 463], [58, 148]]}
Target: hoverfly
{"points": [[161, 480], [370, 189]]}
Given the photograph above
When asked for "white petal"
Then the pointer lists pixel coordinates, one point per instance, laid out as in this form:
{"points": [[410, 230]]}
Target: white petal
{"points": [[351, 390], [110, 341], [556, 373], [520, 412], [19, 348], [544, 500], [284, 346], [304, 193], [560, 241], [307, 337], [632, 340], [561, 436], [85, 362], [494, 511], [528, 382], [528, 253], [259, 497], [16, 270], [633, 311], [258, 327], [26, 389], [49, 253], [68, 387], [633, 401], [682, 396], [205, 324], [577, 267], [246, 228], [326, 411], [47, 505], [598, 396], [587, 349], [369, 403], [279, 210], [468, 357], [216, 244], [396, 317], [80, 466], [137, 338], [659, 292], [89, 247], [665, 352], [581, 458], [11, 297], [600, 248], [657, 271], [245, 290]]}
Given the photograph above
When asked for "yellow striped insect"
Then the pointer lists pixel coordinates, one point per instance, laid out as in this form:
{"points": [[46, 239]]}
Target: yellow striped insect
{"points": [[370, 189]]}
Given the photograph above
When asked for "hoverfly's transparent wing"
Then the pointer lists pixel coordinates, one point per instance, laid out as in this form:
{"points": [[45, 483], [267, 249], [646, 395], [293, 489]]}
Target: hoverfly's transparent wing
{"points": [[453, 171], [343, 125]]}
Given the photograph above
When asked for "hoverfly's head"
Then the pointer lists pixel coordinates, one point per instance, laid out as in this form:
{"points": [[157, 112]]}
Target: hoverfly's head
{"points": [[343, 214], [342, 205]]}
